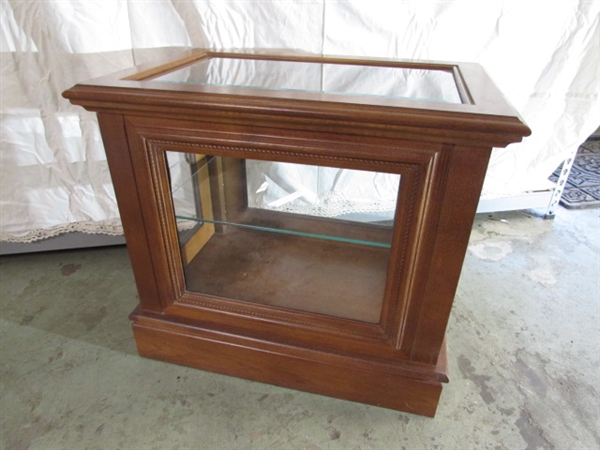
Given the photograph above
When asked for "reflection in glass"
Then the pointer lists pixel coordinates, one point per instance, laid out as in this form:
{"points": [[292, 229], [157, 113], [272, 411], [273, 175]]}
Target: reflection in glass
{"points": [[346, 79], [297, 236]]}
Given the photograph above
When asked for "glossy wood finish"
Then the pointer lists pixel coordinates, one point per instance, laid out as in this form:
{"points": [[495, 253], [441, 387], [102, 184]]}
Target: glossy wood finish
{"points": [[396, 358]]}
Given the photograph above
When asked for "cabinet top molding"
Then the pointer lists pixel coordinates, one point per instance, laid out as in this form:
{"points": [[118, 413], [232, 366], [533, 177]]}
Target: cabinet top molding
{"points": [[424, 100]]}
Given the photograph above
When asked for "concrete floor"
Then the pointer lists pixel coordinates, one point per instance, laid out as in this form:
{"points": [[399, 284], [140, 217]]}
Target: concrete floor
{"points": [[523, 338]]}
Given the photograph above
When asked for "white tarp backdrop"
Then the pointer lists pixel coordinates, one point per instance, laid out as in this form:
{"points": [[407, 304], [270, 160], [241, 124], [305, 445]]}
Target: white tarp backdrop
{"points": [[544, 55]]}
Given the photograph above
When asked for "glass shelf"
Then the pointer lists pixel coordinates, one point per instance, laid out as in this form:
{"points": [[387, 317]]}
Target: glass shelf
{"points": [[432, 85], [318, 202]]}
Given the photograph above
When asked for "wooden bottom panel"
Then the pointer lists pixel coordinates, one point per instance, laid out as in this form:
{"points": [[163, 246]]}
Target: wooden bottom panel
{"points": [[300, 369], [336, 279]]}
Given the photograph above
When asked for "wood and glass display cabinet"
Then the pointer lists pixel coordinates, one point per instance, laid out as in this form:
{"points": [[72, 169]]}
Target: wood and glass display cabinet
{"points": [[300, 220]]}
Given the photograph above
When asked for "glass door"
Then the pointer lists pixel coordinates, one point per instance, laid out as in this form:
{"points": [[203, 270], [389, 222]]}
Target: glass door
{"points": [[296, 236]]}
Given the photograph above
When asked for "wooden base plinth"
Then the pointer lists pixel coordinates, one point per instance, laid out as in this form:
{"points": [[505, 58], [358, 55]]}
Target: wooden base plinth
{"points": [[292, 367]]}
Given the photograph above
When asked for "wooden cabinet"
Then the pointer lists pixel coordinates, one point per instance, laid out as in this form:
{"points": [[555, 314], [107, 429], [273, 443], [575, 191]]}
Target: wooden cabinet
{"points": [[300, 220]]}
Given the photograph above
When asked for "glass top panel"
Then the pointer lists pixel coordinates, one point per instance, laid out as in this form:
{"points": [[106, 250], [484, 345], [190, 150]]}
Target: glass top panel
{"points": [[325, 78]]}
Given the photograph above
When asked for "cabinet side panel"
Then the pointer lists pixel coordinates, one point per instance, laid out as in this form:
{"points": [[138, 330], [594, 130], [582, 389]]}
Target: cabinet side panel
{"points": [[466, 172], [114, 136]]}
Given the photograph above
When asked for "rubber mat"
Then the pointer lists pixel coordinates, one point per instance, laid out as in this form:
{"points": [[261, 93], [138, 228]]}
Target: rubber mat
{"points": [[582, 189]]}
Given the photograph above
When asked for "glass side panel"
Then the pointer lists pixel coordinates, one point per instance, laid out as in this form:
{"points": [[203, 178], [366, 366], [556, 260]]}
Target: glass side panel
{"points": [[346, 79], [295, 236]]}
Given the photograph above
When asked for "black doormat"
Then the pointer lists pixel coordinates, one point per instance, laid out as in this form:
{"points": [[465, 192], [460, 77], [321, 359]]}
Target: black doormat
{"points": [[582, 189]]}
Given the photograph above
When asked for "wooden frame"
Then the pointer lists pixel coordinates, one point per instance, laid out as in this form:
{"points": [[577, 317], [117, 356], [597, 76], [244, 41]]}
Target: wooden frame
{"points": [[441, 152], [199, 235]]}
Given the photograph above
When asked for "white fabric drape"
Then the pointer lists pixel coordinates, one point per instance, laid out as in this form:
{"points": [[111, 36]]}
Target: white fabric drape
{"points": [[54, 177]]}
